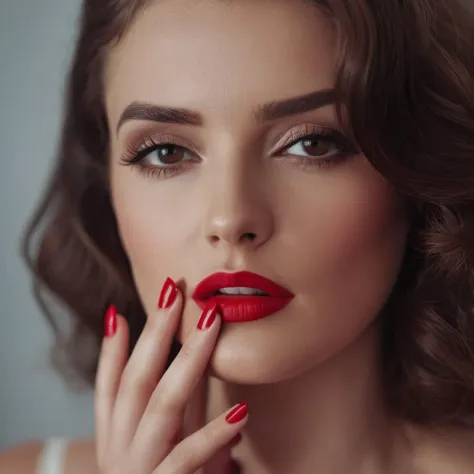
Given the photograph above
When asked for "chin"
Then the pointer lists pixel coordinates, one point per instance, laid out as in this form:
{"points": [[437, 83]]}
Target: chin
{"points": [[278, 348], [247, 353], [248, 361], [270, 353], [247, 372]]}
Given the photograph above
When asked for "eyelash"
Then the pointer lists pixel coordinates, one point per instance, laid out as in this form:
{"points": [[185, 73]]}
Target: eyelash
{"points": [[134, 155]]}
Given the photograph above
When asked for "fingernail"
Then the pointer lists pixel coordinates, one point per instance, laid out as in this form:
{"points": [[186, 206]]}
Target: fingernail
{"points": [[208, 316], [168, 294], [110, 321], [237, 414]]}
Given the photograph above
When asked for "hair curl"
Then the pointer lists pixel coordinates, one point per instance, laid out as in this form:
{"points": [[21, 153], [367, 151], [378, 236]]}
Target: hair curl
{"points": [[406, 88]]}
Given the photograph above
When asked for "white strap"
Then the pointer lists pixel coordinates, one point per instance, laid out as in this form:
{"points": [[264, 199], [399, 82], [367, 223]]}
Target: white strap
{"points": [[52, 457]]}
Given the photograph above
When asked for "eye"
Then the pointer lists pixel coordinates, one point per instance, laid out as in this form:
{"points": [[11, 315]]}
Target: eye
{"points": [[314, 146], [163, 155], [159, 157]]}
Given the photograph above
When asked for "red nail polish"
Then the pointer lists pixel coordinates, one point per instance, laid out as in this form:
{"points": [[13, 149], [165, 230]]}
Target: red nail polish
{"points": [[168, 294], [208, 316], [237, 414], [110, 321]]}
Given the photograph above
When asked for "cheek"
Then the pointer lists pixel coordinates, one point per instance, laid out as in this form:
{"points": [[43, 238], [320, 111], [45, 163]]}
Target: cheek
{"points": [[153, 227], [362, 228], [345, 244], [355, 247]]}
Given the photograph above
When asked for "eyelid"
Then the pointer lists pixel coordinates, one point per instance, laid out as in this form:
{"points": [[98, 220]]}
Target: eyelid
{"points": [[297, 133], [148, 140]]}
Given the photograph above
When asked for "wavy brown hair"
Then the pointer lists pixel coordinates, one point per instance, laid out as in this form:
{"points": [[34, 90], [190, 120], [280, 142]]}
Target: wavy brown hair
{"points": [[406, 94]]}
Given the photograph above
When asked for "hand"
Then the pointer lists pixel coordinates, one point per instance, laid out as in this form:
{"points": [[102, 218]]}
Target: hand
{"points": [[139, 407]]}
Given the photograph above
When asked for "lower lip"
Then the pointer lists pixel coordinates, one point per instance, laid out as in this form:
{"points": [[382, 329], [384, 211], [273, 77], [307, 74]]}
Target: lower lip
{"points": [[243, 309]]}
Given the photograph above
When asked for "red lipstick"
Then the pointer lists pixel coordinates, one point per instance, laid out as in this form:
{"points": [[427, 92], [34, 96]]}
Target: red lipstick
{"points": [[241, 297]]}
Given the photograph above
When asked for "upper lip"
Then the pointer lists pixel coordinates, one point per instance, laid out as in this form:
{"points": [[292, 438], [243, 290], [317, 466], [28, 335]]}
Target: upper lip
{"points": [[207, 287]]}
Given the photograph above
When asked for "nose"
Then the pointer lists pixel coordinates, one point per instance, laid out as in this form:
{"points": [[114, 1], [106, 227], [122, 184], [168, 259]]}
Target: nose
{"points": [[238, 214]]}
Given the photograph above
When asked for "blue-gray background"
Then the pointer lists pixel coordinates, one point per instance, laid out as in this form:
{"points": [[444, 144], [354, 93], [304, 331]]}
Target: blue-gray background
{"points": [[36, 40]]}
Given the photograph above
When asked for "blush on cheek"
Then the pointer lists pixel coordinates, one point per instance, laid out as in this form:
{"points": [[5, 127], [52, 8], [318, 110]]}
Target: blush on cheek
{"points": [[366, 245], [365, 220], [358, 244], [153, 232], [375, 227], [147, 241]]}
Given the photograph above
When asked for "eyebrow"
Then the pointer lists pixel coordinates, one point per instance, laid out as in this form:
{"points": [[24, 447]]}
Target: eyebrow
{"points": [[263, 113]]}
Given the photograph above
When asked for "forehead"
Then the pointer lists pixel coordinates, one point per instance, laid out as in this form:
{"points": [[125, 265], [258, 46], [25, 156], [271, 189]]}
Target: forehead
{"points": [[206, 53]]}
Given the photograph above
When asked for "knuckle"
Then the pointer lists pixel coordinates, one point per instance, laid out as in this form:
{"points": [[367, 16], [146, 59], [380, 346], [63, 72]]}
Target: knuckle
{"points": [[169, 397], [187, 351], [133, 383], [153, 327], [209, 435], [201, 441], [192, 350]]}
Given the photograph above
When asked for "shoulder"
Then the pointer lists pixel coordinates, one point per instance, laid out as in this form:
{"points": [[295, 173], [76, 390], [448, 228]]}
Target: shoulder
{"points": [[23, 458]]}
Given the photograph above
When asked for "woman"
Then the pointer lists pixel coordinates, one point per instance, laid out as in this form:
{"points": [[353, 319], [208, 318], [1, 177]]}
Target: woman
{"points": [[286, 189]]}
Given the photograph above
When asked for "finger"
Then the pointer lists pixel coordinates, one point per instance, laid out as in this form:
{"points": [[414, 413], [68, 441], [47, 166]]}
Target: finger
{"points": [[164, 414], [221, 462], [198, 449], [112, 359], [195, 419], [195, 413], [145, 367]]}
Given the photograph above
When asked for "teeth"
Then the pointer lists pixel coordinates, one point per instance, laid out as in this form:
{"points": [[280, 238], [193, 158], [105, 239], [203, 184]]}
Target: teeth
{"points": [[240, 290]]}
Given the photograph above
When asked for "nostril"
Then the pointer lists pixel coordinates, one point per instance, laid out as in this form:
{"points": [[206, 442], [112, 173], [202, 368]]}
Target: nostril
{"points": [[244, 237], [249, 236]]}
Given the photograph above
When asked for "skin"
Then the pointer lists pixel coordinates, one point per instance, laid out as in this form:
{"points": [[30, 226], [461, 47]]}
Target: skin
{"points": [[334, 236]]}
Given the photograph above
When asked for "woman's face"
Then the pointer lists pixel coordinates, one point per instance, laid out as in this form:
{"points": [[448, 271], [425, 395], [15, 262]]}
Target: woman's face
{"points": [[240, 188]]}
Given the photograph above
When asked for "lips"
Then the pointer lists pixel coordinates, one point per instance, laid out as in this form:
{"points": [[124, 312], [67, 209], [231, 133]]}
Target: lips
{"points": [[241, 307]]}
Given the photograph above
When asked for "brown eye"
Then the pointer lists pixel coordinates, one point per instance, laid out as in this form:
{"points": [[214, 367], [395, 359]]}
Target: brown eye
{"points": [[315, 147], [167, 154], [160, 158]]}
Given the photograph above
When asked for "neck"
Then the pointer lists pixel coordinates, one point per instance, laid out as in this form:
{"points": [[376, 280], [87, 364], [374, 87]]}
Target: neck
{"points": [[332, 419]]}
